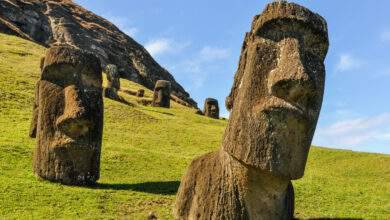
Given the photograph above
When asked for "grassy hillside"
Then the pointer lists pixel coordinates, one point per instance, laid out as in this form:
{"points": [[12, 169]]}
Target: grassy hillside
{"points": [[145, 152]]}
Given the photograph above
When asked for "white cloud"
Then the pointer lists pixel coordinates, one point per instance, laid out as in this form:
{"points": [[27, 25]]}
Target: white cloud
{"points": [[159, 46], [354, 132], [204, 62], [348, 62], [214, 53], [385, 35], [165, 45]]}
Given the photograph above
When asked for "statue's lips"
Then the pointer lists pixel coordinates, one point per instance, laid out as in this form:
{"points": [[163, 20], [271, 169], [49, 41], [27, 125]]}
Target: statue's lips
{"points": [[73, 144], [288, 110]]}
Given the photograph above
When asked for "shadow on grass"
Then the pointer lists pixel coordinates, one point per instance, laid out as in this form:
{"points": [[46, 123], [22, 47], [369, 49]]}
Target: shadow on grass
{"points": [[161, 188]]}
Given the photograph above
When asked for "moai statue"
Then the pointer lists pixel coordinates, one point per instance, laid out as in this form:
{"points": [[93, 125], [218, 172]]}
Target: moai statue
{"points": [[275, 103], [68, 117], [211, 108], [140, 93], [162, 94], [113, 82]]}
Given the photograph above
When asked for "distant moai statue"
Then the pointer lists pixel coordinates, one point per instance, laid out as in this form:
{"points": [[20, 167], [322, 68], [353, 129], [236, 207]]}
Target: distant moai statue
{"points": [[211, 108], [162, 94], [140, 93], [68, 117], [275, 102], [113, 82]]}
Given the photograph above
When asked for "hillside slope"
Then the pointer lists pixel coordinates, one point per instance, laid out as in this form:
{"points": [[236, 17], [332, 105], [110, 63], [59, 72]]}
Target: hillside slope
{"points": [[63, 21], [145, 152]]}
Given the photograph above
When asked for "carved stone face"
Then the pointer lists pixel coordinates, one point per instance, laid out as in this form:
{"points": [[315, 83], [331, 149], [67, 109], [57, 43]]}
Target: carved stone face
{"points": [[277, 96], [113, 80], [140, 93], [69, 117], [211, 108], [162, 94]]}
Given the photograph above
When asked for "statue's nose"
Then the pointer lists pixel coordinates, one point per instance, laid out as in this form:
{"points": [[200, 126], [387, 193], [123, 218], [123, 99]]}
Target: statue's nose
{"points": [[73, 121], [290, 80]]}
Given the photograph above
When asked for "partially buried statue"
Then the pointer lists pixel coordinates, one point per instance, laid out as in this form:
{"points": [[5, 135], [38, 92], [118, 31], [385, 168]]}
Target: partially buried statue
{"points": [[140, 93], [68, 117], [113, 82], [211, 108], [275, 103], [162, 94]]}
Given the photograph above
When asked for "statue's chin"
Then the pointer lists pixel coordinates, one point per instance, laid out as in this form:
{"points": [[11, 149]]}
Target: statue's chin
{"points": [[289, 143]]}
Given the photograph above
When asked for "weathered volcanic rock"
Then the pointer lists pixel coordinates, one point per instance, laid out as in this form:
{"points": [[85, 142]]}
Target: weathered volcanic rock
{"points": [[211, 108], [51, 21], [161, 95], [275, 102], [68, 117]]}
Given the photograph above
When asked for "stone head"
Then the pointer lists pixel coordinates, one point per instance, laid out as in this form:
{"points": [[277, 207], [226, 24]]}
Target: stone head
{"points": [[140, 93], [69, 117], [162, 94], [211, 108], [113, 79], [278, 90]]}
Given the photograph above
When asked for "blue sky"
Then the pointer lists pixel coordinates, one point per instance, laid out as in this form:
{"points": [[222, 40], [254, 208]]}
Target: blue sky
{"points": [[199, 43]]}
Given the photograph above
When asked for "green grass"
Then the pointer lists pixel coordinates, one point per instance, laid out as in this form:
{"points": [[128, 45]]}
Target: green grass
{"points": [[146, 151]]}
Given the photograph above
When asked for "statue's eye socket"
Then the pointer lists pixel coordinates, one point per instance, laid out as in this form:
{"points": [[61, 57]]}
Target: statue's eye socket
{"points": [[280, 29], [61, 75]]}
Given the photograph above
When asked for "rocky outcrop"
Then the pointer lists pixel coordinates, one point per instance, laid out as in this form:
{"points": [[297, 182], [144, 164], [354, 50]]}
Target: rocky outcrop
{"points": [[48, 22]]}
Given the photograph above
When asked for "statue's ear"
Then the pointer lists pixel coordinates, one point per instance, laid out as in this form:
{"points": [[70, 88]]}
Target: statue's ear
{"points": [[34, 120]]}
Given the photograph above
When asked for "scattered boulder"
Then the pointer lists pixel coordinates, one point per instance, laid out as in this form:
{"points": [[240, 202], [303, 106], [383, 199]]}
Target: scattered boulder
{"points": [[68, 117], [275, 102], [152, 216], [162, 94], [130, 92], [144, 102], [211, 108]]}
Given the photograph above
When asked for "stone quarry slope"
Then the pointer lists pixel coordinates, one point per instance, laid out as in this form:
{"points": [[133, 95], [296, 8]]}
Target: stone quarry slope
{"points": [[62, 21], [146, 151]]}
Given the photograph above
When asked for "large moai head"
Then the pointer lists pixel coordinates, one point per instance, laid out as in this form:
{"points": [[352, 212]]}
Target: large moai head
{"points": [[278, 89], [113, 79], [69, 117], [162, 94], [211, 108]]}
